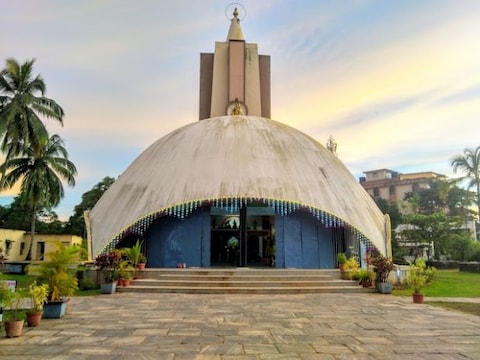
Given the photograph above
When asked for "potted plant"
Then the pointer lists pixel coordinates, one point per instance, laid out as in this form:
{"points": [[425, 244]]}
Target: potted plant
{"points": [[38, 296], [109, 265], [135, 256], [418, 276], [382, 267], [350, 269], [14, 319], [341, 259], [58, 273], [365, 277], [126, 273]]}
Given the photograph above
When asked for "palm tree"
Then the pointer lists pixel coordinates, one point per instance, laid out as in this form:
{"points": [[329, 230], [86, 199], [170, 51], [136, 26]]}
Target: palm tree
{"points": [[40, 169], [22, 102], [469, 163]]}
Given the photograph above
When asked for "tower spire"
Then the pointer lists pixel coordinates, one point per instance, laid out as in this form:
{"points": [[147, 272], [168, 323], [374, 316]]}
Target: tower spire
{"points": [[235, 32]]}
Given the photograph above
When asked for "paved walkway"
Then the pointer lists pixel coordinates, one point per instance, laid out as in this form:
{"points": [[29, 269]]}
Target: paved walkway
{"points": [[181, 326]]}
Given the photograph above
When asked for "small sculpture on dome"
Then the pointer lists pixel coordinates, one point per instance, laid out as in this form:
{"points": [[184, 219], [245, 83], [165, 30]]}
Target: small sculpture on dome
{"points": [[237, 109]]}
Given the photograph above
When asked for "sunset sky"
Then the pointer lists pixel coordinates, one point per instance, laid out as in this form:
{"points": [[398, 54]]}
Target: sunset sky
{"points": [[396, 83]]}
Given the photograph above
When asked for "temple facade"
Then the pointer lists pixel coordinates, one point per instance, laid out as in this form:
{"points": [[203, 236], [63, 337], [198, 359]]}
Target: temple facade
{"points": [[237, 188]]}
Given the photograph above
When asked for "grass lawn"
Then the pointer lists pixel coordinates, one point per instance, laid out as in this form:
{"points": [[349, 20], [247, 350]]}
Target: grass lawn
{"points": [[23, 281], [451, 283]]}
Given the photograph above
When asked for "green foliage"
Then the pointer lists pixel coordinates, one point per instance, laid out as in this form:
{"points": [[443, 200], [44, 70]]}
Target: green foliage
{"points": [[341, 258], [76, 223], [58, 271], [38, 295], [419, 275], [351, 263], [469, 164], [134, 254], [12, 300], [437, 228]]}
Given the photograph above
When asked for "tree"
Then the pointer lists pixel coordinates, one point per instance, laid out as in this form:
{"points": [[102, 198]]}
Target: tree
{"points": [[469, 164], [439, 230], [22, 102], [76, 223], [40, 169]]}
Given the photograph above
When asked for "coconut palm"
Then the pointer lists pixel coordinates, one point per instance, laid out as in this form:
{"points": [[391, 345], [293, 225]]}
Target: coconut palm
{"points": [[22, 103], [469, 164], [40, 169]]}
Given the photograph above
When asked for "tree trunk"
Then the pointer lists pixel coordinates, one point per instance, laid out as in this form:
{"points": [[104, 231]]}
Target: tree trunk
{"points": [[32, 236]]}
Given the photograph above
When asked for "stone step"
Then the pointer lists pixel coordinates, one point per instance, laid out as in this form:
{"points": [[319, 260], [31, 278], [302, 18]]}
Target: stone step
{"points": [[243, 281], [235, 282], [246, 290]]}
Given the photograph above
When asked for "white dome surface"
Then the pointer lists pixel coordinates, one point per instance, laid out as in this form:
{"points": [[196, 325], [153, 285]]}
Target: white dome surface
{"points": [[234, 156]]}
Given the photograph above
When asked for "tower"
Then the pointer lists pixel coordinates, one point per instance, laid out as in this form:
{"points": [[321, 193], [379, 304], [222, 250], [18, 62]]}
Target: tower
{"points": [[234, 79]]}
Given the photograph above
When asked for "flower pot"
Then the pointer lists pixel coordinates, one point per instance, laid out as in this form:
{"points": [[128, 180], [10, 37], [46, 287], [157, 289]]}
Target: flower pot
{"points": [[108, 288], [34, 318], [13, 328], [54, 309], [341, 267], [417, 298], [384, 288], [141, 266], [126, 282]]}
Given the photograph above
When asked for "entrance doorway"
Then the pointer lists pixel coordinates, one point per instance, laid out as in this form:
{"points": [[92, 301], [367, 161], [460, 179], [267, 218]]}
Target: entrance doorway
{"points": [[242, 239]]}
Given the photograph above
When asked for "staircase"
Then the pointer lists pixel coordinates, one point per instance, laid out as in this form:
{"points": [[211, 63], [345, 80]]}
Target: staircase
{"points": [[243, 281]]}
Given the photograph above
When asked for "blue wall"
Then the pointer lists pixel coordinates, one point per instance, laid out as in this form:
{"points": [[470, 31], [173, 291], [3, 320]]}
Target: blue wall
{"points": [[300, 241], [170, 241]]}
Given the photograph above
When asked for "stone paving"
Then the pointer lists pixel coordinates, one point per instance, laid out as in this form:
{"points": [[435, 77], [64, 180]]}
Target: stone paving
{"points": [[308, 326]]}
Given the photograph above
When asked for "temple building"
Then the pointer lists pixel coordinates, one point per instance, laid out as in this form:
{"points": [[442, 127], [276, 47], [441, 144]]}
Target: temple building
{"points": [[237, 188]]}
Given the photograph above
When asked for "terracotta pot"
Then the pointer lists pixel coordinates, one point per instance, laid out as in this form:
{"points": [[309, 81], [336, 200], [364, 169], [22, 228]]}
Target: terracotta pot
{"points": [[13, 328], [341, 267], [34, 318], [417, 298], [141, 266], [126, 282]]}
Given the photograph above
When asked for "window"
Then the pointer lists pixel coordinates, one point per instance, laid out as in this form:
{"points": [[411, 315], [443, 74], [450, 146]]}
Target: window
{"points": [[376, 192], [392, 190], [22, 248]]}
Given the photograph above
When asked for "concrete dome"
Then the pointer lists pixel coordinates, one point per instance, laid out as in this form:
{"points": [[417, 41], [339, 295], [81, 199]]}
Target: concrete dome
{"points": [[235, 157]]}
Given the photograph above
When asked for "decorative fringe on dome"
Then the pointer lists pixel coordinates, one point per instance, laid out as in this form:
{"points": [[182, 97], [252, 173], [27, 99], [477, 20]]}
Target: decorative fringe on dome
{"points": [[232, 205]]}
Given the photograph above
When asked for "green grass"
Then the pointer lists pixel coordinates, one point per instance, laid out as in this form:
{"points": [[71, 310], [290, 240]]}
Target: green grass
{"points": [[449, 283], [23, 281]]}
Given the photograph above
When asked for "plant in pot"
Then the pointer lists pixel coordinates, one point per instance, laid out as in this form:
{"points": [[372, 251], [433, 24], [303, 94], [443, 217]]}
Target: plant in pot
{"points": [[136, 257], [418, 277], [38, 296], [350, 269], [14, 318], [126, 273], [109, 265], [365, 277], [382, 267], [341, 259], [58, 273]]}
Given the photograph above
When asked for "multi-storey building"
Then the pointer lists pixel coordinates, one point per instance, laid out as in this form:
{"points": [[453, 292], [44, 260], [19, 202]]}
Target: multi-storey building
{"points": [[393, 186]]}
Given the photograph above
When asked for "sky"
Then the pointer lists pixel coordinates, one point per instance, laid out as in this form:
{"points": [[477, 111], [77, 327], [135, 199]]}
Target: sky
{"points": [[395, 83]]}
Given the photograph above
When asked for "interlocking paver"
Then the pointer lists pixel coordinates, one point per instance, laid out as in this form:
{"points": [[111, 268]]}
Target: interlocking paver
{"points": [[303, 326]]}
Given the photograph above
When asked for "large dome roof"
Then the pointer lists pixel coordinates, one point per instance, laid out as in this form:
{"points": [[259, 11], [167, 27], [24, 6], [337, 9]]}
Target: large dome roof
{"points": [[234, 157]]}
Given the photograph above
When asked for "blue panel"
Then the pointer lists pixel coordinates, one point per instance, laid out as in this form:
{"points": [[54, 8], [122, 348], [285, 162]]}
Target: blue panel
{"points": [[310, 241], [293, 241], [325, 248], [279, 242], [172, 241]]}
